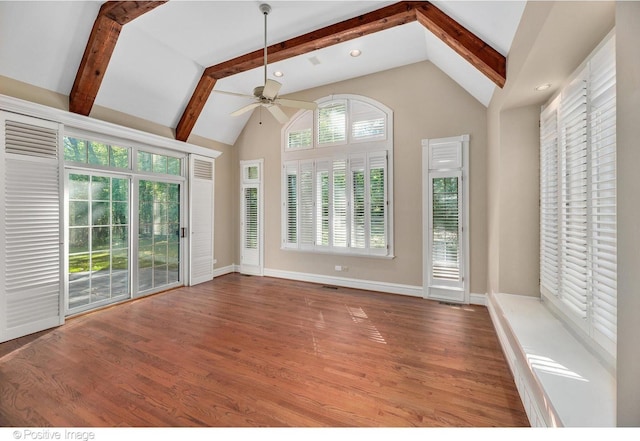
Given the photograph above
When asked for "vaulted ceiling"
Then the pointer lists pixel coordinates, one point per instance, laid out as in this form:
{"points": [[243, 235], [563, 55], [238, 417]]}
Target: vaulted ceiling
{"points": [[164, 61]]}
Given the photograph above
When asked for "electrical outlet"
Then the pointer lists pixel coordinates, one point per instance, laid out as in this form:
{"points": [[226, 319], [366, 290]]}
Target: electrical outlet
{"points": [[338, 268]]}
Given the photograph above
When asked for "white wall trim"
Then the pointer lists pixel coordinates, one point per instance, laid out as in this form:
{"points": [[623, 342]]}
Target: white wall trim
{"points": [[217, 272], [16, 105], [369, 285], [391, 288], [478, 299]]}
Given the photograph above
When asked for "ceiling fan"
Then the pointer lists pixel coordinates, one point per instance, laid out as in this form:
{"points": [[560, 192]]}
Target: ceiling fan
{"points": [[267, 95]]}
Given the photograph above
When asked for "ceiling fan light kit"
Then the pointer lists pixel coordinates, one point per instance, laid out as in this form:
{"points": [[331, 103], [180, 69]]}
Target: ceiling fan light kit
{"points": [[267, 94]]}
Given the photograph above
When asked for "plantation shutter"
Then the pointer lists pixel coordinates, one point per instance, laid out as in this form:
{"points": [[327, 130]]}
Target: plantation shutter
{"points": [[201, 219], [251, 218], [290, 233], [323, 192], [445, 227], [340, 204], [358, 202], [573, 227], [31, 226], [377, 202], [299, 134], [367, 121], [549, 220], [446, 250], [332, 123], [602, 124], [306, 205]]}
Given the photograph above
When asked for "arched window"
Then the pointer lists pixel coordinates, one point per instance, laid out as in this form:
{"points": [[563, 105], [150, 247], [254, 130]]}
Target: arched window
{"points": [[337, 165]]}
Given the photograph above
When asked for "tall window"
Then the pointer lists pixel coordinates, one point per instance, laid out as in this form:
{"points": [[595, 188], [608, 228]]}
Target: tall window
{"points": [[336, 186], [445, 218], [578, 199], [106, 260]]}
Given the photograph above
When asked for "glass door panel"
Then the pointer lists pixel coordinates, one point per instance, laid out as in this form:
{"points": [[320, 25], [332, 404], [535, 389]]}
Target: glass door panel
{"points": [[158, 235], [98, 218]]}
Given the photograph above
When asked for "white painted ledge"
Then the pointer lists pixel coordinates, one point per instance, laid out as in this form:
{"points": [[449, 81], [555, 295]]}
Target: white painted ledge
{"points": [[560, 382]]}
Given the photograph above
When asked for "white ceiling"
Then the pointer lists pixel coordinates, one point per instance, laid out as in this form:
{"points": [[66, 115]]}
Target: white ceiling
{"points": [[161, 55]]}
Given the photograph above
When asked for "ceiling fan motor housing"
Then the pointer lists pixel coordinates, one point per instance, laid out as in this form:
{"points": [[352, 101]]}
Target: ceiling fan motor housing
{"points": [[265, 8]]}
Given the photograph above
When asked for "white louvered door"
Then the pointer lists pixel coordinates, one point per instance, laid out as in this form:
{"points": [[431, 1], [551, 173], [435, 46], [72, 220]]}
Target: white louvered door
{"points": [[31, 282], [251, 218], [201, 219], [445, 218]]}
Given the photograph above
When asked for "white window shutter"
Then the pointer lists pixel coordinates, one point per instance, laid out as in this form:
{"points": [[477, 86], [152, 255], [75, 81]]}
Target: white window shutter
{"points": [[549, 202], [299, 134], [359, 230], [367, 121], [290, 204], [201, 219], [306, 205], [573, 237], [602, 125], [340, 206], [445, 225], [31, 245], [323, 198], [378, 198], [578, 240], [332, 123]]}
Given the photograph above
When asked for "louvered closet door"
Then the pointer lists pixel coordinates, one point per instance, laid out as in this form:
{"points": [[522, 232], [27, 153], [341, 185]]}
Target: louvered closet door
{"points": [[201, 219], [31, 282]]}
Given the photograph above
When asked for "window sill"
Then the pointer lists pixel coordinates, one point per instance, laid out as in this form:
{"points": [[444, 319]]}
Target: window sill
{"points": [[337, 254], [560, 382]]}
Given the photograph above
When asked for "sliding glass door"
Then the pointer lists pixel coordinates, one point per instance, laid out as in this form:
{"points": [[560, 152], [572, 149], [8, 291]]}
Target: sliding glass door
{"points": [[159, 234], [98, 229]]}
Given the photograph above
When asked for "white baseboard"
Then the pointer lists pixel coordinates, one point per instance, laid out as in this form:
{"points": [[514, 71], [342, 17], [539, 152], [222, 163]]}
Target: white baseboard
{"points": [[217, 272], [391, 288], [478, 299], [370, 285]]}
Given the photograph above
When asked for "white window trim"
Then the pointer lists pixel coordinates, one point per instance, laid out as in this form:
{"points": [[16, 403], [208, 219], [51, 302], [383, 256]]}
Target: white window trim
{"points": [[333, 151], [448, 293], [604, 349], [257, 183]]}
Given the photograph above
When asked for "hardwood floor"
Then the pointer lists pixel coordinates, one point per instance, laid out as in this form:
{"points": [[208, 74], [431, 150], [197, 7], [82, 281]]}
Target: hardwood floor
{"points": [[261, 352]]}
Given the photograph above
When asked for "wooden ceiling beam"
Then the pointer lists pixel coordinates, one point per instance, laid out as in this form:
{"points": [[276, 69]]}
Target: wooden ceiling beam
{"points": [[97, 54], [375, 21], [485, 58]]}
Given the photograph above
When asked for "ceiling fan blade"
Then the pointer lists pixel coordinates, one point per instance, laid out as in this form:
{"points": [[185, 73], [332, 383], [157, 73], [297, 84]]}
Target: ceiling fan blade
{"points": [[278, 114], [244, 109], [296, 103], [271, 89], [233, 93]]}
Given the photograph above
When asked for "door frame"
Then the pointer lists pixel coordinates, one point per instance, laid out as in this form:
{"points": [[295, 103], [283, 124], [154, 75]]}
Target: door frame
{"points": [[247, 182], [457, 160]]}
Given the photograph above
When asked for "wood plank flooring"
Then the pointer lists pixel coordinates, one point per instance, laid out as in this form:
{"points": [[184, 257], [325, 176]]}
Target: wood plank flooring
{"points": [[261, 352]]}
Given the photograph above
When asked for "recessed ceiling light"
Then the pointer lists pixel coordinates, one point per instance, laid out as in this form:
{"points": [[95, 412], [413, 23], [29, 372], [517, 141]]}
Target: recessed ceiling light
{"points": [[542, 87], [278, 74], [355, 53]]}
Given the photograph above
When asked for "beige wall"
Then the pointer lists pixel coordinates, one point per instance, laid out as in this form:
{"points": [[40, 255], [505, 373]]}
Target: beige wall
{"points": [[426, 104], [519, 214], [628, 161], [224, 167], [553, 39]]}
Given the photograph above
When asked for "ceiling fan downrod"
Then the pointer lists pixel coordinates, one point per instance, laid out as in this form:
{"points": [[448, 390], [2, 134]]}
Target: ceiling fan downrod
{"points": [[265, 9]]}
